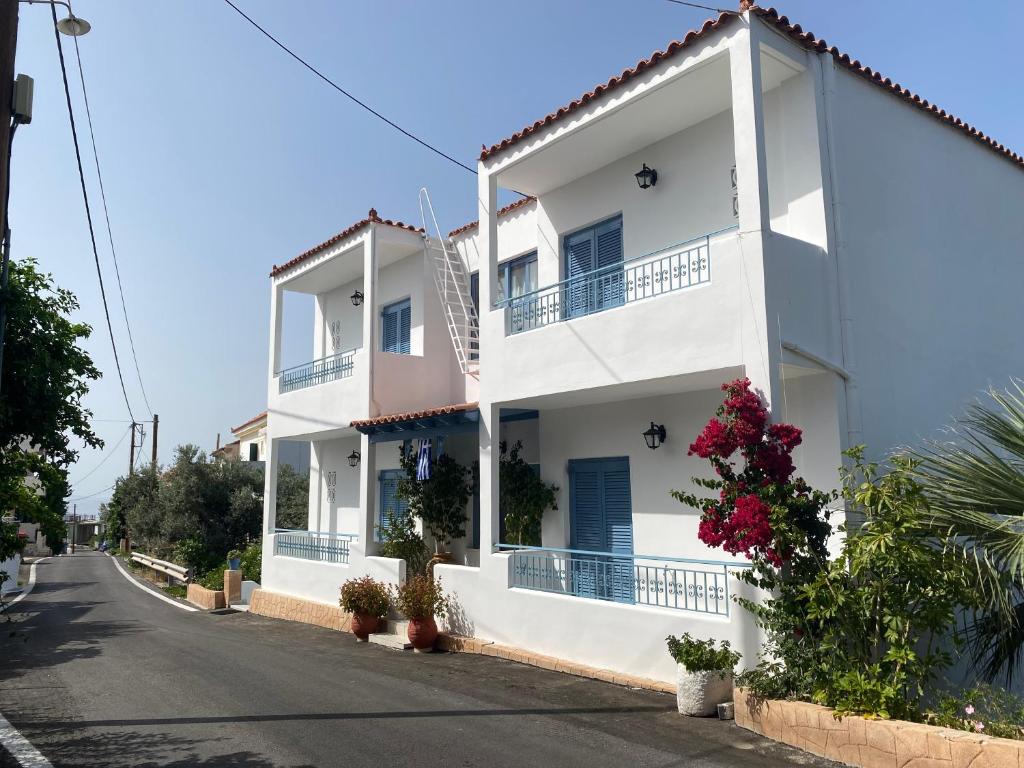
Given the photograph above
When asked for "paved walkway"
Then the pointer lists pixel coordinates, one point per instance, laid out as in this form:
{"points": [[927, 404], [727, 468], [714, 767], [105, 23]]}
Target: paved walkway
{"points": [[94, 672]]}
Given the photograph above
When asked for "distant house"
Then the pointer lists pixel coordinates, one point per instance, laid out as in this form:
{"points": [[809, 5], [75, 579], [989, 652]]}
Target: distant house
{"points": [[250, 445]]}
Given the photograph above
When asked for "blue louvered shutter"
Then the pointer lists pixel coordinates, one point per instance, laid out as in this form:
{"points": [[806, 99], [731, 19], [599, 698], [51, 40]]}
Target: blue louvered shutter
{"points": [[601, 520], [405, 329], [609, 282], [389, 331], [579, 261], [618, 528], [390, 504], [586, 528]]}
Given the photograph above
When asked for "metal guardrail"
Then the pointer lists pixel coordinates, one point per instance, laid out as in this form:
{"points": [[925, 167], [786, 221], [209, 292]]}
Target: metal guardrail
{"points": [[673, 268], [321, 546], [174, 571], [685, 584], [338, 366]]}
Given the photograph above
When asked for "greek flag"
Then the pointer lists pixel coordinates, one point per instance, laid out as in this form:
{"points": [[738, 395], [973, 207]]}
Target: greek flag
{"points": [[423, 461]]}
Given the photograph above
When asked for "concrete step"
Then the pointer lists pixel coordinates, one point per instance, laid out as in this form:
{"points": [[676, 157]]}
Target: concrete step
{"points": [[396, 636]]}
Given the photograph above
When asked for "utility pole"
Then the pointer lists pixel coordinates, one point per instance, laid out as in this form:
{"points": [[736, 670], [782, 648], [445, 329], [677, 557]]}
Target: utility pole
{"points": [[74, 527], [131, 459], [8, 44], [156, 428]]}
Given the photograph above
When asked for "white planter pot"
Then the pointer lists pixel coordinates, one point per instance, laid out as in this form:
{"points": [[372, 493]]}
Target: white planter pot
{"points": [[698, 694]]}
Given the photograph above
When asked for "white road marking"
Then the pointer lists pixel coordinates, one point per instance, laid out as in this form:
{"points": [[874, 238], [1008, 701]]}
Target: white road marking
{"points": [[19, 747], [153, 592], [28, 587]]}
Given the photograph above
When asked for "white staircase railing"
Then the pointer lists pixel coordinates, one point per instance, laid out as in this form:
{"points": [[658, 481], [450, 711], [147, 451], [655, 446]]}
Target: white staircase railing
{"points": [[453, 289]]}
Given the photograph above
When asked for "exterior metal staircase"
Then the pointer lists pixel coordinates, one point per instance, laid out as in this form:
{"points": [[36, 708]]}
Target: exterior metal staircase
{"points": [[453, 289]]}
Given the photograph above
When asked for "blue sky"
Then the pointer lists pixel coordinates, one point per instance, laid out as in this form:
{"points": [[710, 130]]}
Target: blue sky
{"points": [[221, 156]]}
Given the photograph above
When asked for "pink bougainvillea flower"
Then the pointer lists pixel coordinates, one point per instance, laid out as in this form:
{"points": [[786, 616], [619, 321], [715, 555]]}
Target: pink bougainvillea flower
{"points": [[979, 726], [969, 709]]}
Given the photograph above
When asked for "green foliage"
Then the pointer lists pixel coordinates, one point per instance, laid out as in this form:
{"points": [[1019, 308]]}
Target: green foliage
{"points": [[524, 497], [702, 655], [10, 543], [176, 590], [366, 596], [864, 632], [292, 498], [975, 486], [192, 553], [421, 598], [400, 539], [439, 502], [213, 579], [234, 554], [982, 709], [252, 561]]}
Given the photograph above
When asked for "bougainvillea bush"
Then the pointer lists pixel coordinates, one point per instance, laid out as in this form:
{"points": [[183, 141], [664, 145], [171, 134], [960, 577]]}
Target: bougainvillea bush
{"points": [[761, 511]]}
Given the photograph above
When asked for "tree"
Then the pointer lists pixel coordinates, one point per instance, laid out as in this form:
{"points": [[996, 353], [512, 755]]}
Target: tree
{"points": [[440, 502], [975, 487], [524, 497], [45, 376], [292, 498]]}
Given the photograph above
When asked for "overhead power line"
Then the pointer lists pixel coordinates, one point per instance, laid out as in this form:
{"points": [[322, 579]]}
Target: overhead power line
{"points": [[345, 93], [703, 7], [90, 495], [88, 212], [109, 452], [110, 234]]}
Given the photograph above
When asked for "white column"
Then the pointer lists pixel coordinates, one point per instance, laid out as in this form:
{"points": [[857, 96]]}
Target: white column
{"points": [[276, 317], [367, 494], [270, 485], [490, 527], [759, 325], [487, 243], [370, 312], [319, 328], [316, 485]]}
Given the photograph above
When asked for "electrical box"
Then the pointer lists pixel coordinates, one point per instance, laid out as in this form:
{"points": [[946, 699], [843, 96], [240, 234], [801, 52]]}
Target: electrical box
{"points": [[24, 88]]}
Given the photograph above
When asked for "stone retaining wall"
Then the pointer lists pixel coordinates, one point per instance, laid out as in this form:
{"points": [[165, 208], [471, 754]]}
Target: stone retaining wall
{"points": [[873, 743], [210, 599], [277, 606]]}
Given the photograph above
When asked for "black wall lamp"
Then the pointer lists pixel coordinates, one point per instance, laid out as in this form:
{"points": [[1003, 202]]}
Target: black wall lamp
{"points": [[357, 298], [353, 459], [646, 177], [654, 436]]}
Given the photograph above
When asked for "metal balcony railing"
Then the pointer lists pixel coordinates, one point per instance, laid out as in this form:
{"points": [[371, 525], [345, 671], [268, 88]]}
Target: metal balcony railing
{"points": [[668, 269], [700, 586], [313, 545], [337, 366]]}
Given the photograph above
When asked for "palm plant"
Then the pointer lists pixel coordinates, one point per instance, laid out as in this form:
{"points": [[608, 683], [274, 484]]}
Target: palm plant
{"points": [[975, 486]]}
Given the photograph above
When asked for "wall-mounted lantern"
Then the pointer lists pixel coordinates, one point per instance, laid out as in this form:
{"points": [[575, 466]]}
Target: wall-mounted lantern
{"points": [[353, 459], [646, 177], [357, 298], [654, 436]]}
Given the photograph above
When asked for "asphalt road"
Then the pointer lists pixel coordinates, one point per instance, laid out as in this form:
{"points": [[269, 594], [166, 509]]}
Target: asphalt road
{"points": [[95, 672]]}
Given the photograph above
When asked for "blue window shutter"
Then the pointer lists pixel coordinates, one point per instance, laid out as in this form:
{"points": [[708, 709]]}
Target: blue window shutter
{"points": [[587, 526], [405, 329], [609, 284], [389, 331], [390, 504], [579, 260], [601, 520]]}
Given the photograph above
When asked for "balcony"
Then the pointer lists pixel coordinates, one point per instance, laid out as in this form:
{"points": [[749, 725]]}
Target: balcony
{"points": [[330, 368], [697, 586], [674, 268], [313, 545]]}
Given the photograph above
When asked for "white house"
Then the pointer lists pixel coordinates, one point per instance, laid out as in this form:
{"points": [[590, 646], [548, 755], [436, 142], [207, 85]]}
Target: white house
{"points": [[851, 248]]}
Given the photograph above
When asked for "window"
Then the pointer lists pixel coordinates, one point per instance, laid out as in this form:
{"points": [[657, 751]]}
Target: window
{"points": [[395, 322], [594, 255], [390, 505], [254, 452], [517, 277]]}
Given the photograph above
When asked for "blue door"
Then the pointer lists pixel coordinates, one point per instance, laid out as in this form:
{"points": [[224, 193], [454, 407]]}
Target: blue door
{"points": [[390, 505], [593, 259], [601, 520]]}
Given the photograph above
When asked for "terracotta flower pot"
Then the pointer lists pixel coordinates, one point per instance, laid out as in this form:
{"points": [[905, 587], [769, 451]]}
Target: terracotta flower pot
{"points": [[364, 625], [422, 633]]}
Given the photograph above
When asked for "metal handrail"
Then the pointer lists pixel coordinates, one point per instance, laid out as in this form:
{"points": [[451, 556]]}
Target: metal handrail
{"points": [[584, 276], [623, 555], [318, 360], [324, 534]]}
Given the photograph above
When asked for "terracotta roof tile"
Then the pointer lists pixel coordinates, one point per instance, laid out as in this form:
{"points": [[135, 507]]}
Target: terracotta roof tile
{"points": [[795, 33], [443, 410], [253, 420], [507, 209], [371, 217]]}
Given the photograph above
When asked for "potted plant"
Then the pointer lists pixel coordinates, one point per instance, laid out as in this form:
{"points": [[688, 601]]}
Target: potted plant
{"points": [[439, 501], [524, 497], [234, 560], [420, 599], [368, 601], [704, 674]]}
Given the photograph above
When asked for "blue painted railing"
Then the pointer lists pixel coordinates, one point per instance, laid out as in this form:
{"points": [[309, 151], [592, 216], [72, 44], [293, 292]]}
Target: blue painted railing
{"points": [[685, 584], [322, 546], [338, 366], [668, 269]]}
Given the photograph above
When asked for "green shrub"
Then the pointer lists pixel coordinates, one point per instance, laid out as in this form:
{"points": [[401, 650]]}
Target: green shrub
{"points": [[366, 596], [440, 502], [234, 554], [702, 655], [400, 540], [176, 590], [982, 709], [252, 562], [213, 579], [524, 497], [421, 598]]}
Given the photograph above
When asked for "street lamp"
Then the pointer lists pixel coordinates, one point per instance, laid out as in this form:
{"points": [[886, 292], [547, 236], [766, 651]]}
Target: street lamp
{"points": [[72, 26]]}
